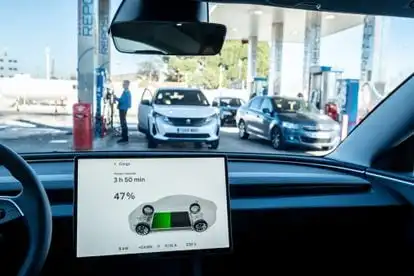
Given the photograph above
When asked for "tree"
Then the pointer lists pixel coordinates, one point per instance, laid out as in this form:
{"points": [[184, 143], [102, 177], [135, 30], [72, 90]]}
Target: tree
{"points": [[151, 68], [205, 71]]}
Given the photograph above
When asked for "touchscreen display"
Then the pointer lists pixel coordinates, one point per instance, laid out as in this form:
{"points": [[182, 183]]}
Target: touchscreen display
{"points": [[150, 205]]}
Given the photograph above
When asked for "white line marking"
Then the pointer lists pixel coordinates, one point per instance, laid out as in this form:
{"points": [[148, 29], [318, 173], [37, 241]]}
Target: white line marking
{"points": [[58, 141]]}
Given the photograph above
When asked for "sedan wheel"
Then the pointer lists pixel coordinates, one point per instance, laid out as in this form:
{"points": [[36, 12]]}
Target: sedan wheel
{"points": [[242, 131], [277, 139]]}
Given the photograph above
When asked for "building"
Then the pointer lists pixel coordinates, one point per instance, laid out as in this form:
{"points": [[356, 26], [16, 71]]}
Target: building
{"points": [[8, 66]]}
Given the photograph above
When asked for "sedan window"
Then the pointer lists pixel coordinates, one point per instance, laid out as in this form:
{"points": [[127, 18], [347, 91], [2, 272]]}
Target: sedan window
{"points": [[255, 103]]}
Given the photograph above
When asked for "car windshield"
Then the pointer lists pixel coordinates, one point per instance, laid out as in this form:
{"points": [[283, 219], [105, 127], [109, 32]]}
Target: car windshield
{"points": [[286, 105], [181, 97], [232, 102], [65, 88]]}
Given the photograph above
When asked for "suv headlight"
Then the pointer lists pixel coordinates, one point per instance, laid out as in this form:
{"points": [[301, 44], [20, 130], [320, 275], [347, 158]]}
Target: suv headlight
{"points": [[156, 115], [214, 117], [290, 125], [336, 127]]}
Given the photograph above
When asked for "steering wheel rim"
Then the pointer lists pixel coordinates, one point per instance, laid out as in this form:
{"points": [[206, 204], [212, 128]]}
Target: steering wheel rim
{"points": [[33, 204]]}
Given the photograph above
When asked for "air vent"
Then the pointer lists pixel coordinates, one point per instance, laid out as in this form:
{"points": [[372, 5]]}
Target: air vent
{"points": [[280, 190], [56, 196]]}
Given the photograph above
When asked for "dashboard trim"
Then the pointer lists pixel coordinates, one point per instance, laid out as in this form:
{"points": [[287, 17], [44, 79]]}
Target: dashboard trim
{"points": [[339, 174]]}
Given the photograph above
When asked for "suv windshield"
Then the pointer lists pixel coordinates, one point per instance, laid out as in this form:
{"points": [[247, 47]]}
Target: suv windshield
{"points": [[180, 97], [232, 102], [60, 72]]}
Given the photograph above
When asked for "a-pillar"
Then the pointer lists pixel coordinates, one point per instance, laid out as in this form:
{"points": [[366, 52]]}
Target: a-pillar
{"points": [[275, 63], [311, 45], [87, 50], [252, 50]]}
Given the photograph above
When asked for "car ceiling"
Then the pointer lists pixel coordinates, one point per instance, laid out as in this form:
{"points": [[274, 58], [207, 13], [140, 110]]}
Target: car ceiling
{"points": [[402, 8]]}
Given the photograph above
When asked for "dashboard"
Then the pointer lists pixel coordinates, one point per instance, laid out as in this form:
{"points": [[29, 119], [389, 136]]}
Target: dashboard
{"points": [[307, 209]]}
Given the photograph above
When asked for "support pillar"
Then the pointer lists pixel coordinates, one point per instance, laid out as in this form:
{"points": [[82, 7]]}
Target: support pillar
{"points": [[367, 48], [87, 52], [252, 49], [251, 62], [275, 63], [104, 58], [372, 79], [311, 45]]}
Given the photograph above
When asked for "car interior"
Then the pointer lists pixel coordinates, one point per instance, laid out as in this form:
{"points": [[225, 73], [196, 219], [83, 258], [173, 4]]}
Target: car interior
{"points": [[350, 211]]}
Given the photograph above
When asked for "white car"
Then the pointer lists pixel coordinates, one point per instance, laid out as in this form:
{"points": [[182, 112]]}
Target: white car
{"points": [[178, 115], [175, 212]]}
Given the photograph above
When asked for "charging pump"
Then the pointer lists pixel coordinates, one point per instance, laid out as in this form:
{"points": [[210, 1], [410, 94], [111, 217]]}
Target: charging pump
{"points": [[323, 81], [260, 86], [348, 103], [104, 103]]}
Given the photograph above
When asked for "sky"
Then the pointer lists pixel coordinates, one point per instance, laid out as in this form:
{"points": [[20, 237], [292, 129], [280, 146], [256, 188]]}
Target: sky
{"points": [[27, 27]]}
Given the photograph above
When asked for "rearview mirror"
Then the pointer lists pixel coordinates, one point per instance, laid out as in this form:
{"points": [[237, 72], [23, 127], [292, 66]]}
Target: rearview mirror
{"points": [[214, 104], [142, 27], [145, 102]]}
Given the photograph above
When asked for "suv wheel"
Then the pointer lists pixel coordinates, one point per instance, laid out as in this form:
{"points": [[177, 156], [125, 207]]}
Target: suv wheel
{"points": [[151, 142], [214, 145]]}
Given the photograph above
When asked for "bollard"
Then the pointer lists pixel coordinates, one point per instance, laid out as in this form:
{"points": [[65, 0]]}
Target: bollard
{"points": [[344, 126]]}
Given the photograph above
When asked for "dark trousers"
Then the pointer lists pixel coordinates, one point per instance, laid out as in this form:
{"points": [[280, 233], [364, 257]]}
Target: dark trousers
{"points": [[124, 125]]}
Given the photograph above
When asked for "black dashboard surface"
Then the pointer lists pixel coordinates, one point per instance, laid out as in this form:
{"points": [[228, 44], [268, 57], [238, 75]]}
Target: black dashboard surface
{"points": [[253, 185], [303, 211]]}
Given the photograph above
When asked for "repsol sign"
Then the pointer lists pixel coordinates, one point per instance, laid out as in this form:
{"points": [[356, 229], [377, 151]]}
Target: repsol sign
{"points": [[86, 17], [367, 47], [103, 35]]}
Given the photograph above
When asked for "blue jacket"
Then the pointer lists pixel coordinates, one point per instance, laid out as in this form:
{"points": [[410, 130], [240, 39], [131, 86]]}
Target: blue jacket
{"points": [[124, 102]]}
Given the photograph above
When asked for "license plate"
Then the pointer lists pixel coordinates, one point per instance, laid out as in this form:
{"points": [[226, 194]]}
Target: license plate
{"points": [[318, 135], [187, 130]]}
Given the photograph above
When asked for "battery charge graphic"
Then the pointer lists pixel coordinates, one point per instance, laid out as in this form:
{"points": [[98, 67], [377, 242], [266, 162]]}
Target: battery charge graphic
{"points": [[170, 220]]}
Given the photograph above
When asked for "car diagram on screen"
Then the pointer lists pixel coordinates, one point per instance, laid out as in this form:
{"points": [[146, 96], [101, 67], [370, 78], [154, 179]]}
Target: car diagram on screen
{"points": [[175, 212]]}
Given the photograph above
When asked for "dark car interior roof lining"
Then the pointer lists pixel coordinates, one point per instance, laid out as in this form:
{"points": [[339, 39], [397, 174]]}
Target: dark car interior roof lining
{"points": [[402, 8]]}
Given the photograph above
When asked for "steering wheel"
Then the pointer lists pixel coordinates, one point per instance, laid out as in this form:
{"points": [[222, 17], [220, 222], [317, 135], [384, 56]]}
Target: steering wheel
{"points": [[33, 204]]}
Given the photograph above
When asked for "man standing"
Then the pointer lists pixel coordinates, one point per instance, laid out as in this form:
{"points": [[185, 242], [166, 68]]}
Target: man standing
{"points": [[124, 103]]}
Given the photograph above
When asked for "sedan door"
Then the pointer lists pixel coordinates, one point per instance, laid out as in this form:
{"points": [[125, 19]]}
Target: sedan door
{"points": [[143, 110], [265, 118], [253, 116]]}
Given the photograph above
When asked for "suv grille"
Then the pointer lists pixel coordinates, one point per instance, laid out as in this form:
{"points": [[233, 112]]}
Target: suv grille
{"points": [[190, 122]]}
